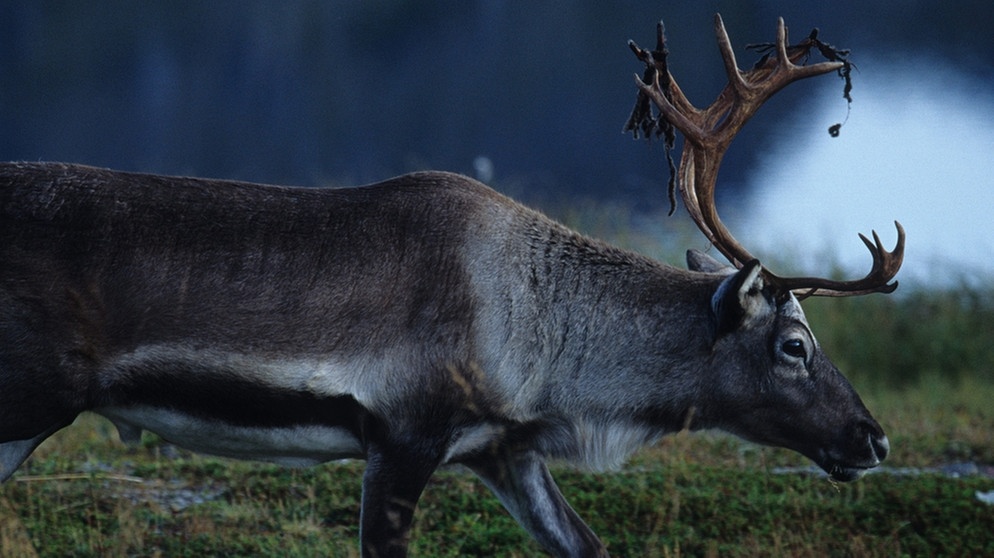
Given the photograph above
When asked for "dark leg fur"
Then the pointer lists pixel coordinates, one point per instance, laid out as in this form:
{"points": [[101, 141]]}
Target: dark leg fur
{"points": [[391, 487], [523, 484]]}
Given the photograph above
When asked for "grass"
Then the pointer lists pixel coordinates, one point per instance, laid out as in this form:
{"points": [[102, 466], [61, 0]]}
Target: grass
{"points": [[84, 494], [895, 341]]}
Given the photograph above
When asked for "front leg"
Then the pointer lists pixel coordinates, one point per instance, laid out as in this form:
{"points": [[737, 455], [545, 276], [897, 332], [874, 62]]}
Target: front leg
{"points": [[393, 482], [523, 484]]}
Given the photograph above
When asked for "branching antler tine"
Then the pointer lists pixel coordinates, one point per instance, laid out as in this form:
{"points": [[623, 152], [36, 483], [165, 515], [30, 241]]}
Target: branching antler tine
{"points": [[879, 254], [890, 262], [735, 78], [690, 130], [876, 247], [873, 248], [782, 43], [680, 100], [885, 266], [709, 132]]}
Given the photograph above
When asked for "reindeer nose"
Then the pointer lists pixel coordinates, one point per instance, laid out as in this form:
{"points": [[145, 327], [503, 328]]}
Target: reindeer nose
{"points": [[880, 445], [875, 438]]}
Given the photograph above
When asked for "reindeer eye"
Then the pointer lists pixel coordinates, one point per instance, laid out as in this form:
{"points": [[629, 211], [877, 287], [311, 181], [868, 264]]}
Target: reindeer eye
{"points": [[794, 348]]}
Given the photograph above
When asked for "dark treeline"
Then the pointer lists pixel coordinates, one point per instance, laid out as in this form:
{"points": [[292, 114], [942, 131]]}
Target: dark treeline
{"points": [[350, 91]]}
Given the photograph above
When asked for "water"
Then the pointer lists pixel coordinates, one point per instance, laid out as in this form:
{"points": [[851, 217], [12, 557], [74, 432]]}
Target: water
{"points": [[918, 147]]}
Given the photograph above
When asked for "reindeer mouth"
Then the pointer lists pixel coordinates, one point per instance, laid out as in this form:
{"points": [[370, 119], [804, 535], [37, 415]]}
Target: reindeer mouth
{"points": [[844, 473], [841, 471]]}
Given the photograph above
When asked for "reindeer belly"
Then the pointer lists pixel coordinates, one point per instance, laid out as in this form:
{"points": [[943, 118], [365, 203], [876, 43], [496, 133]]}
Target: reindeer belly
{"points": [[296, 412], [297, 445]]}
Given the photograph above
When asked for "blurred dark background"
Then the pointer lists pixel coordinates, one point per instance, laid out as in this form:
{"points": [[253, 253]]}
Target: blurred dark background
{"points": [[531, 96]]}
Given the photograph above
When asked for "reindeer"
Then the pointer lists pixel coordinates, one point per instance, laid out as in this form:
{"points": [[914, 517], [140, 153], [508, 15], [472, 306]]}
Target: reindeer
{"points": [[421, 321]]}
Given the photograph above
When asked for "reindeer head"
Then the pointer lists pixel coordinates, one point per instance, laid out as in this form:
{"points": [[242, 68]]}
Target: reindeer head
{"points": [[787, 394], [771, 383]]}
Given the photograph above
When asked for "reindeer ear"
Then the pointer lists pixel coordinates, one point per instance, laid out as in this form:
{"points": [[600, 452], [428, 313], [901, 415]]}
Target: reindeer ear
{"points": [[699, 261], [741, 300]]}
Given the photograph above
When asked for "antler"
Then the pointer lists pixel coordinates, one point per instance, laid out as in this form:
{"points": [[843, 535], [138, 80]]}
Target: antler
{"points": [[708, 133]]}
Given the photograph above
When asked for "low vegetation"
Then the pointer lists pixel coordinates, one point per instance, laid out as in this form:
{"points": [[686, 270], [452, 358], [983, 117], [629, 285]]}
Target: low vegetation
{"points": [[83, 494]]}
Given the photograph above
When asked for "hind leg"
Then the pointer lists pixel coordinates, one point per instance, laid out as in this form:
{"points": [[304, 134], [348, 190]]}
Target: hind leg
{"points": [[12, 454], [34, 404]]}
